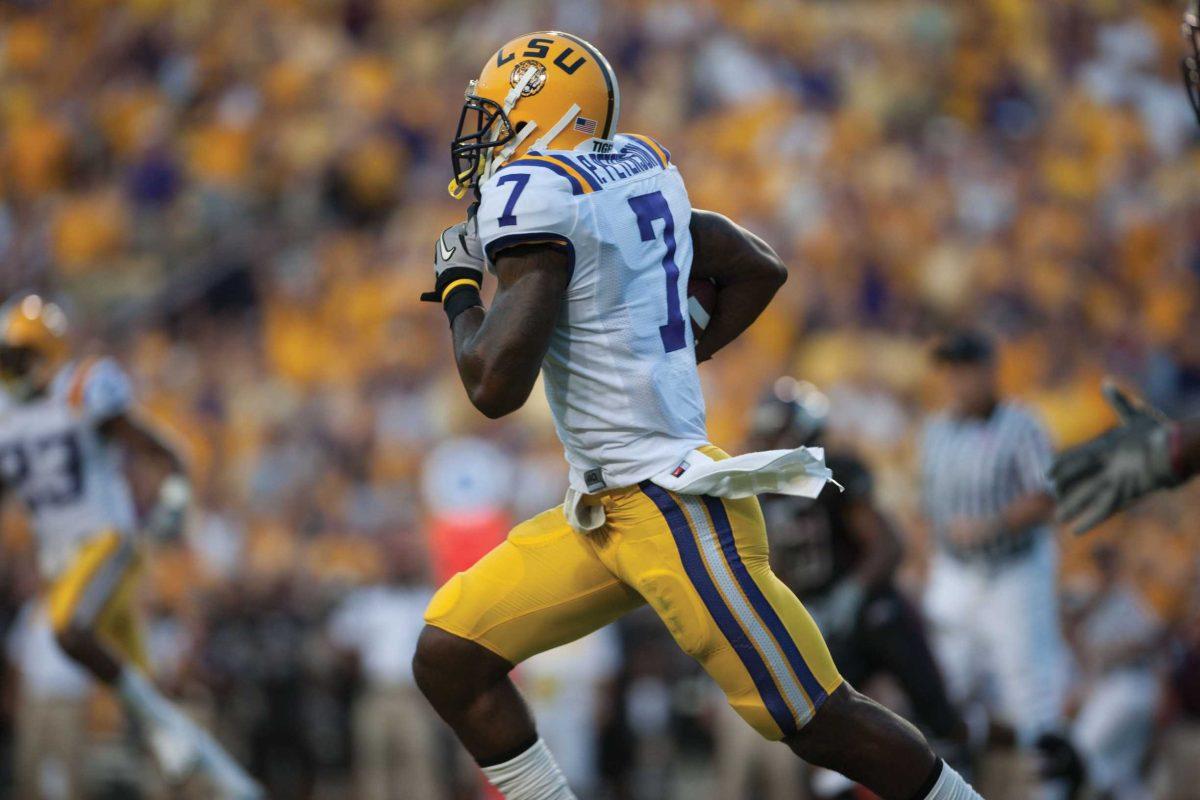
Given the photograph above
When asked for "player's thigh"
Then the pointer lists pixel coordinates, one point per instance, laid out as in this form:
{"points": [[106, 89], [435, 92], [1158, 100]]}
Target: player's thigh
{"points": [[120, 624], [97, 593], [895, 643], [701, 562], [542, 587]]}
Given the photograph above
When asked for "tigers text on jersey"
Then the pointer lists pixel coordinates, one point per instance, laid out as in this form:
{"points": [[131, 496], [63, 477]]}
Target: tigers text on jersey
{"points": [[53, 457], [620, 372]]}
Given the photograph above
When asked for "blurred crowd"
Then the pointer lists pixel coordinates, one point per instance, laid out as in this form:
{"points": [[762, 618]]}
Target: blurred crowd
{"points": [[239, 201]]}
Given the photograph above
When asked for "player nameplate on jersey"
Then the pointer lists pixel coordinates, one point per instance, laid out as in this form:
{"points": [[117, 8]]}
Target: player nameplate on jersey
{"points": [[594, 478], [602, 146]]}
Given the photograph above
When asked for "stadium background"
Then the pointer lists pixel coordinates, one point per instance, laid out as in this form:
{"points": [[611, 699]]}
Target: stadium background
{"points": [[239, 200]]}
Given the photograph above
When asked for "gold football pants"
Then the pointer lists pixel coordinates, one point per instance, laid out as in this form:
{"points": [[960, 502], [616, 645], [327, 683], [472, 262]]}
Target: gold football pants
{"points": [[699, 561], [97, 592]]}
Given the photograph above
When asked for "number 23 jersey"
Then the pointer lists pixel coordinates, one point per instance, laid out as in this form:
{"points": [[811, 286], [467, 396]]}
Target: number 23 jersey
{"points": [[53, 456], [620, 372]]}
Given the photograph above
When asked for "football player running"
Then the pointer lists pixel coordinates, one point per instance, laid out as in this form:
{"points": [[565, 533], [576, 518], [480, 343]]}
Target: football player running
{"points": [[1146, 452], [69, 440], [593, 240]]}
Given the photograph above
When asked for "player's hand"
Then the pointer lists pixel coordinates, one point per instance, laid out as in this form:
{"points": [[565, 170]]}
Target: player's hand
{"points": [[1100, 477], [967, 532], [165, 521], [457, 267]]}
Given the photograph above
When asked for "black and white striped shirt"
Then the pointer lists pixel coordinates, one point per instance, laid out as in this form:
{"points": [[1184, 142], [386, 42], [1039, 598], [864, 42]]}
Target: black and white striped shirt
{"points": [[974, 468]]}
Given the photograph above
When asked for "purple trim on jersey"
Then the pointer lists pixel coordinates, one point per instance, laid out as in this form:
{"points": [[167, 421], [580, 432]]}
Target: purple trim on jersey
{"points": [[586, 175], [666, 152], [576, 186], [512, 239], [642, 148]]}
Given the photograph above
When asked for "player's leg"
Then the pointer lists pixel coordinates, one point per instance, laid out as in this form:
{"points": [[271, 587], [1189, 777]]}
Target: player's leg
{"points": [[82, 594], [1031, 664], [1113, 730], [88, 610], [951, 605], [122, 626], [541, 588], [91, 609], [702, 563], [894, 639]]}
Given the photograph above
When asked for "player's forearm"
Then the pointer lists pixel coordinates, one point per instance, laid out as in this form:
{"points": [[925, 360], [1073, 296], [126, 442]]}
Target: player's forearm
{"points": [[738, 306], [1132, 650], [479, 361], [1025, 512], [1187, 457], [500, 351], [145, 443], [167, 455], [747, 273]]}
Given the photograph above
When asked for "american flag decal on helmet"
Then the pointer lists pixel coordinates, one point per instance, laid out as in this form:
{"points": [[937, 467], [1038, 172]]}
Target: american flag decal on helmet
{"points": [[585, 126]]}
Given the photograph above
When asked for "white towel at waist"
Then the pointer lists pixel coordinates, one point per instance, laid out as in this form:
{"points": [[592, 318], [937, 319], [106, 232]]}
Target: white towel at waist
{"points": [[800, 472]]}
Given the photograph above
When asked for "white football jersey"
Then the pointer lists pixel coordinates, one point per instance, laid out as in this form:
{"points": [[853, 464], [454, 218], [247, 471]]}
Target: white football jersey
{"points": [[54, 458], [620, 372]]}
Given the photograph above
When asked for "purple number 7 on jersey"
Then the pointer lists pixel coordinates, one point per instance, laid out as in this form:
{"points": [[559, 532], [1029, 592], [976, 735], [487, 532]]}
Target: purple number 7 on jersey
{"points": [[651, 207], [520, 179]]}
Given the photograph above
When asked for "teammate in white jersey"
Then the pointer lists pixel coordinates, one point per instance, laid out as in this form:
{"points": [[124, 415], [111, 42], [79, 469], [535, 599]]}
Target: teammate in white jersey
{"points": [[593, 241], [67, 436]]}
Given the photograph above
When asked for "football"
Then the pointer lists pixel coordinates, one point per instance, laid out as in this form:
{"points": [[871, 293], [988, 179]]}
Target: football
{"points": [[702, 302]]}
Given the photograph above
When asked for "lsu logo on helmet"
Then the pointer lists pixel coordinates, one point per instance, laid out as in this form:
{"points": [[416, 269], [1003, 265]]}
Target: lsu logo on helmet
{"points": [[542, 91]]}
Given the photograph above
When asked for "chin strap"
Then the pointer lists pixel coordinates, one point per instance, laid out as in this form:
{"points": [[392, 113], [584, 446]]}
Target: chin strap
{"points": [[510, 102], [510, 148], [563, 121]]}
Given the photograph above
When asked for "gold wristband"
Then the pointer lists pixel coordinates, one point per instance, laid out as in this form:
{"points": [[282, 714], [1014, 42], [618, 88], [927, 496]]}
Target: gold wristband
{"points": [[455, 284]]}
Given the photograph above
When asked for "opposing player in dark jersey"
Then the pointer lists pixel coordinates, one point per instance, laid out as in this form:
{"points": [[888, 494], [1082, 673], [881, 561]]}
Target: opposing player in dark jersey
{"points": [[839, 554]]}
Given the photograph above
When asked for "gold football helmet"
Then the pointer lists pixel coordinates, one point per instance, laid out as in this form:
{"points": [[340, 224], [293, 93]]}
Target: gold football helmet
{"points": [[33, 344], [542, 91]]}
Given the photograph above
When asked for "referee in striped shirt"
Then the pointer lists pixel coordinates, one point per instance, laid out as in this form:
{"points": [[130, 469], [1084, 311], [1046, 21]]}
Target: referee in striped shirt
{"points": [[992, 599], [984, 461]]}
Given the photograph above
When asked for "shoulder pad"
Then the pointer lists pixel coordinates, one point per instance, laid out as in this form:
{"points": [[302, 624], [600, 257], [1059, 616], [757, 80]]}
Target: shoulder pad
{"points": [[523, 203], [548, 164], [661, 154], [100, 389]]}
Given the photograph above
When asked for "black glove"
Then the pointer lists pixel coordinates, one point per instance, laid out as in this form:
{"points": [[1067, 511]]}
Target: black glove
{"points": [[1100, 477], [458, 268]]}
